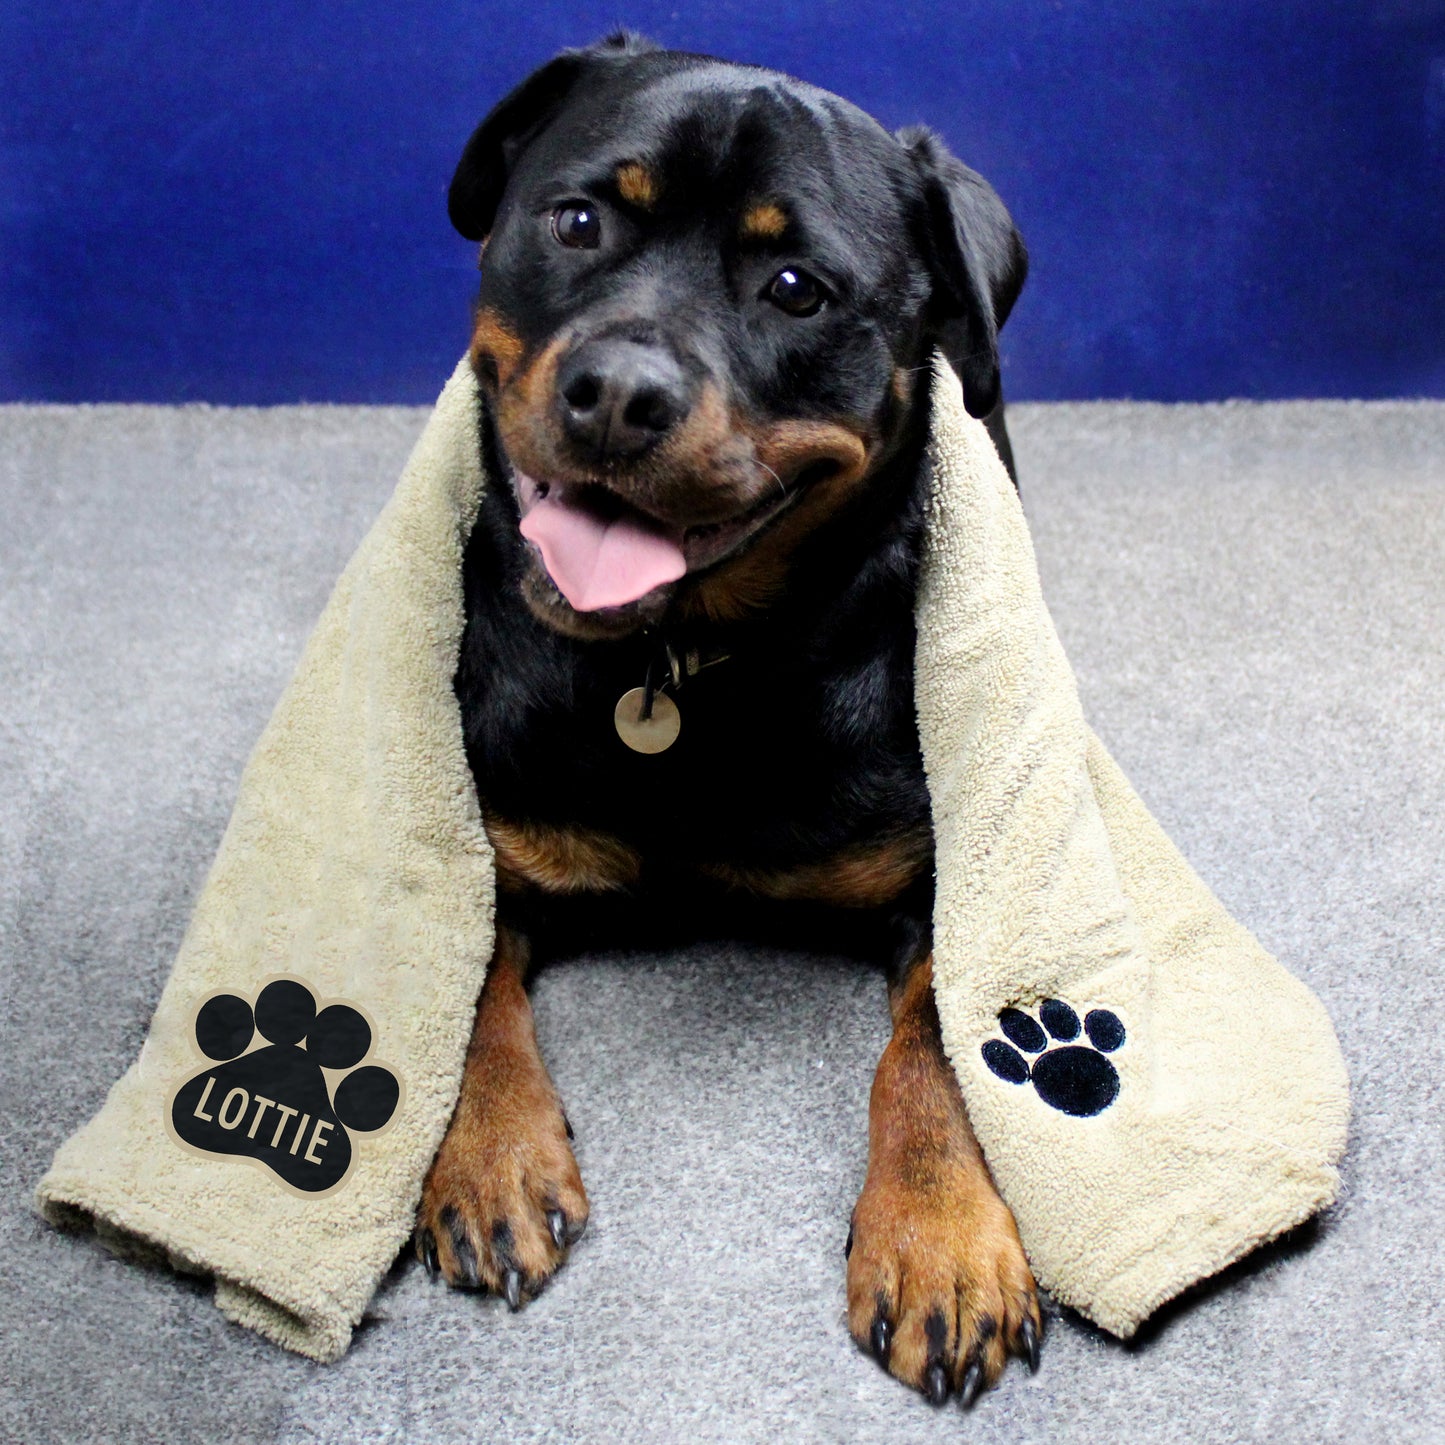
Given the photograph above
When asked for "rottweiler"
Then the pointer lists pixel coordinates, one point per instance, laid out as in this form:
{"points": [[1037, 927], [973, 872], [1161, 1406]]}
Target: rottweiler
{"points": [[710, 295]]}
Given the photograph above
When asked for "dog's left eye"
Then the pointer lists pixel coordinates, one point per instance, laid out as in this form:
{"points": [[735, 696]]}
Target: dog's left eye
{"points": [[796, 292], [577, 226]]}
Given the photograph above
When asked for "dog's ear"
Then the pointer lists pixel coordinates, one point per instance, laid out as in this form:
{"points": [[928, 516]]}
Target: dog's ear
{"points": [[978, 261], [516, 119]]}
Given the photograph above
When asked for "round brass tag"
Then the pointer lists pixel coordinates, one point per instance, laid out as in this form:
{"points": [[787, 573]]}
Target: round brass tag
{"points": [[655, 735]]}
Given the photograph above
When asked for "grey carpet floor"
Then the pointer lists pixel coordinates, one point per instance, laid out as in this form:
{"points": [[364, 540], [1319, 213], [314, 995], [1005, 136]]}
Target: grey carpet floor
{"points": [[1254, 600]]}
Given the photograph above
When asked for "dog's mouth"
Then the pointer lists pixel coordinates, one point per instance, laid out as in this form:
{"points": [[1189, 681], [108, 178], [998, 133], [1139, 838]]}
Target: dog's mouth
{"points": [[602, 551]]}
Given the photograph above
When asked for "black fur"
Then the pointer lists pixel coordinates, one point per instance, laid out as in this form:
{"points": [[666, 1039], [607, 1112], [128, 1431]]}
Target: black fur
{"points": [[804, 741]]}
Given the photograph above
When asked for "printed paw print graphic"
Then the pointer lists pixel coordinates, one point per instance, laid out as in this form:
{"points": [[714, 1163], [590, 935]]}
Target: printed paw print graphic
{"points": [[274, 1103], [1075, 1079]]}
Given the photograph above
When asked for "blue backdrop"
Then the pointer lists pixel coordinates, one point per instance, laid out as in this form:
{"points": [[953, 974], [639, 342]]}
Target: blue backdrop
{"points": [[246, 202]]}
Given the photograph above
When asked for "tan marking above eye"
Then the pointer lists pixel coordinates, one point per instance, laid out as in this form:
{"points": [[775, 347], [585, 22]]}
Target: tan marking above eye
{"points": [[766, 221], [637, 185]]}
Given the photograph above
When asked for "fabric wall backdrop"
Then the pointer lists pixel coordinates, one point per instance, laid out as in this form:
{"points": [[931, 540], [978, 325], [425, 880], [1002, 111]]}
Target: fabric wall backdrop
{"points": [[246, 202]]}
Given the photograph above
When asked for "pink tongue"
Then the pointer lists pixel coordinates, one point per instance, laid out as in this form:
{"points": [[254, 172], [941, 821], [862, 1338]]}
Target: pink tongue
{"points": [[598, 561]]}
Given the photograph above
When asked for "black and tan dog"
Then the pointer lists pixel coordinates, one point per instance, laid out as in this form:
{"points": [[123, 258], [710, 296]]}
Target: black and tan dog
{"points": [[709, 298]]}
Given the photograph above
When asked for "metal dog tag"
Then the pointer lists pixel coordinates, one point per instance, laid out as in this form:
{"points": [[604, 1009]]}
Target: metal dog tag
{"points": [[647, 735]]}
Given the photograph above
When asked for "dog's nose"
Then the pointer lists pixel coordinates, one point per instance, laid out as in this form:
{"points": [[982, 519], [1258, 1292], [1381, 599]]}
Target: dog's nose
{"points": [[619, 397]]}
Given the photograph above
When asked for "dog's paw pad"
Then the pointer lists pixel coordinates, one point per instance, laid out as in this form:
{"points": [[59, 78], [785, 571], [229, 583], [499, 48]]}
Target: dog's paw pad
{"points": [[269, 1099], [1073, 1078]]}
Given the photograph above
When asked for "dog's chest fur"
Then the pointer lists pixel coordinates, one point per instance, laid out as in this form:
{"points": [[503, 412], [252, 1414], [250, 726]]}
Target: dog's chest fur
{"points": [[801, 743]]}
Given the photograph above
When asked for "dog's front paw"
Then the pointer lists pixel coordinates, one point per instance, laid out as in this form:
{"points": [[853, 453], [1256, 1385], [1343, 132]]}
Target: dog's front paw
{"points": [[504, 1200], [939, 1290]]}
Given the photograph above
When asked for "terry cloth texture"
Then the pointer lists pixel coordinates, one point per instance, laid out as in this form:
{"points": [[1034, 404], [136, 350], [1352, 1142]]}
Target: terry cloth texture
{"points": [[1183, 1100], [1203, 1106], [355, 862]]}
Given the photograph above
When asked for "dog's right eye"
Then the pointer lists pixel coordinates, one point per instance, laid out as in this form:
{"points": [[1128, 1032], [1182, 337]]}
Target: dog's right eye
{"points": [[577, 226], [796, 292]]}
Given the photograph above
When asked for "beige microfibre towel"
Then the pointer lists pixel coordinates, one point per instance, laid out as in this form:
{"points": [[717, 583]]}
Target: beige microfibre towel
{"points": [[1155, 1095]]}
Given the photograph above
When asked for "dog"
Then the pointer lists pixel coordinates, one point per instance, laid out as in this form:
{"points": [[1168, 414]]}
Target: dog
{"points": [[710, 295]]}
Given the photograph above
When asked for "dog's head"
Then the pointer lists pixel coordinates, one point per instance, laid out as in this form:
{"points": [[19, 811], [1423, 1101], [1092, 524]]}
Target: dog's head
{"points": [[709, 296]]}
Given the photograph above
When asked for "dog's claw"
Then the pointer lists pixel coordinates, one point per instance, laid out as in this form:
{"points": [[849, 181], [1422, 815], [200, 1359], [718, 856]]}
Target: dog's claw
{"points": [[881, 1339], [971, 1384], [848, 1243], [462, 1247], [428, 1248], [935, 1383], [557, 1226], [512, 1288], [567, 1125], [1029, 1338]]}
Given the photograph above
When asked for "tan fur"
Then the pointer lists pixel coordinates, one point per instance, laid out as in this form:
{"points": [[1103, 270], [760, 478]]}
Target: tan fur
{"points": [[789, 447], [505, 1158], [637, 185], [704, 465], [527, 424], [494, 342], [863, 877], [931, 1237], [705, 469], [750, 582], [766, 221], [525, 403], [560, 860], [713, 466]]}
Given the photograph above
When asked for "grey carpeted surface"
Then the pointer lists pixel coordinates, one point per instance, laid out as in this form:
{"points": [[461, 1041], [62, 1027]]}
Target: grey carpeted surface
{"points": [[1253, 599]]}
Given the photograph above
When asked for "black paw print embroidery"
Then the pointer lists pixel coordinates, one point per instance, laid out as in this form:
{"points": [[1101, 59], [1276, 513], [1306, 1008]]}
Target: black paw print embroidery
{"points": [[274, 1103], [1076, 1079]]}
